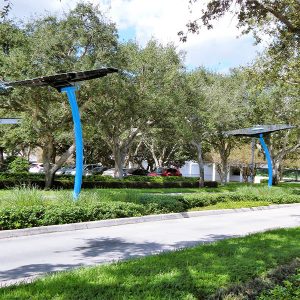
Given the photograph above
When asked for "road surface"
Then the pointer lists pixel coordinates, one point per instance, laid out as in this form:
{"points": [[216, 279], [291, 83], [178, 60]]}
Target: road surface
{"points": [[27, 257]]}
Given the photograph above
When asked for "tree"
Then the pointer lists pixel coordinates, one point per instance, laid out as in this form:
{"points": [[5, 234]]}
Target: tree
{"points": [[213, 103], [228, 109], [272, 104], [80, 40], [278, 20], [193, 123], [128, 106], [5, 9]]}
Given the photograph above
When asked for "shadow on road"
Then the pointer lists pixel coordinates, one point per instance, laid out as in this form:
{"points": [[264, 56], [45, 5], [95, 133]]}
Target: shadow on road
{"points": [[97, 251], [32, 270]]}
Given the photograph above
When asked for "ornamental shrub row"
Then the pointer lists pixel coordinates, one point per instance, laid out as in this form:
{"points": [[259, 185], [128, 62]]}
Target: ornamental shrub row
{"points": [[184, 202], [9, 180], [42, 213]]}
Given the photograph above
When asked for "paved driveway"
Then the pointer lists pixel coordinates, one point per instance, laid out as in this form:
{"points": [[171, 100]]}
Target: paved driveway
{"points": [[24, 258]]}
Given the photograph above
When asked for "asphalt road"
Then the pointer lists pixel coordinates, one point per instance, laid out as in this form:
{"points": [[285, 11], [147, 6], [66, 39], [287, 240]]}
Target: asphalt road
{"points": [[24, 258]]}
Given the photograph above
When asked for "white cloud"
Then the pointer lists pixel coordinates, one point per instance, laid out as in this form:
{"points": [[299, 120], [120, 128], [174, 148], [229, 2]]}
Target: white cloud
{"points": [[162, 19]]}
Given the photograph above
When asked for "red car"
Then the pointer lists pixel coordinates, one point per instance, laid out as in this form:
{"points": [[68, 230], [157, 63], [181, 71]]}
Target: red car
{"points": [[165, 172]]}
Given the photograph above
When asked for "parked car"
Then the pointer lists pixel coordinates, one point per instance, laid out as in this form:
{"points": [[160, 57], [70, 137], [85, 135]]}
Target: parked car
{"points": [[36, 168], [69, 170], [62, 170], [93, 170], [165, 172], [88, 170], [111, 172], [138, 172]]}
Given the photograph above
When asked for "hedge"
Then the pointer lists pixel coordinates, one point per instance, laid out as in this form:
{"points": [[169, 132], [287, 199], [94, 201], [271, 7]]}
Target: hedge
{"points": [[41, 215], [53, 212], [9, 180]]}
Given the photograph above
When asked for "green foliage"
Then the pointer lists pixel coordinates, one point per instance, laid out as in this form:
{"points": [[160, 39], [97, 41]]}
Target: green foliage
{"points": [[18, 165], [276, 20], [195, 273], [4, 9], [64, 212], [23, 208], [290, 289], [99, 181], [81, 39], [156, 204]]}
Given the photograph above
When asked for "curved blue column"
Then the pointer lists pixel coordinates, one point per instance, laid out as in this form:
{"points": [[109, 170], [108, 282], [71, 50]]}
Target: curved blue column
{"points": [[268, 157], [70, 90]]}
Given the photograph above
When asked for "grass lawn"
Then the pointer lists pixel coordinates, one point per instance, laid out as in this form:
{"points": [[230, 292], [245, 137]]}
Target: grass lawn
{"points": [[131, 195], [195, 273], [232, 205], [23, 208]]}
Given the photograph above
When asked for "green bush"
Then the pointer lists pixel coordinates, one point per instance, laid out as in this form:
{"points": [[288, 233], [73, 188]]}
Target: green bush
{"points": [[21, 217], [155, 204], [30, 207], [66, 182], [18, 165], [68, 212], [288, 290]]}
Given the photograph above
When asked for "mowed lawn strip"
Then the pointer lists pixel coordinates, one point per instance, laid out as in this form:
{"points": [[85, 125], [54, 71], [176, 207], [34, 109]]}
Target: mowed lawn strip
{"points": [[232, 205], [195, 273]]}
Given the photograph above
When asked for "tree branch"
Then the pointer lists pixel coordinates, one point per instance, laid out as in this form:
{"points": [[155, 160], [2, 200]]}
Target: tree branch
{"points": [[278, 15], [63, 159]]}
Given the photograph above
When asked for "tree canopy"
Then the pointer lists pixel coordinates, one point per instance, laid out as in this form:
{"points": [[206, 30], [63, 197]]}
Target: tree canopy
{"points": [[277, 22]]}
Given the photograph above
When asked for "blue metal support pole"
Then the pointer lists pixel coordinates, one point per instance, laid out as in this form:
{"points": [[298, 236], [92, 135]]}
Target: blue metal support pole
{"points": [[268, 157], [70, 91]]}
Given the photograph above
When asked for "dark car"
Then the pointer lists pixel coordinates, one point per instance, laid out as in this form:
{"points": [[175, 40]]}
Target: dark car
{"points": [[137, 172], [165, 172]]}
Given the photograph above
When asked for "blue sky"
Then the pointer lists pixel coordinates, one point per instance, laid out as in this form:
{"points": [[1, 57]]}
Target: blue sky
{"points": [[218, 49]]}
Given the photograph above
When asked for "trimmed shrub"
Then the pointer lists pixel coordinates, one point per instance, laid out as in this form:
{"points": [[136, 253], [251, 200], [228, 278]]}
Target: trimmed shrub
{"points": [[8, 180], [68, 212], [155, 204], [29, 207]]}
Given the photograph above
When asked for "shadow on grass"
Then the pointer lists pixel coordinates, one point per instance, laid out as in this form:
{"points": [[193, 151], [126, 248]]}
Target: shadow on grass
{"points": [[194, 273]]}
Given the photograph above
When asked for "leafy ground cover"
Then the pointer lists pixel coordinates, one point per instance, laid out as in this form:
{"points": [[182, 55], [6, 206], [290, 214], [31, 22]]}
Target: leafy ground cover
{"points": [[209, 271], [288, 289], [22, 208]]}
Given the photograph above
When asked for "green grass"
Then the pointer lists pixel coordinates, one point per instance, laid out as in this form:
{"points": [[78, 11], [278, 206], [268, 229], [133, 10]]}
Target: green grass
{"points": [[23, 207], [195, 273], [132, 195], [232, 205]]}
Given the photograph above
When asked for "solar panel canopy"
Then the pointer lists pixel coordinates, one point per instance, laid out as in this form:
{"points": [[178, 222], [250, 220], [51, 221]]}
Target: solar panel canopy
{"points": [[61, 80], [256, 130]]}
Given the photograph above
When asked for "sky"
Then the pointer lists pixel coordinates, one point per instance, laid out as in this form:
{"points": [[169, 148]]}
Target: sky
{"points": [[218, 49]]}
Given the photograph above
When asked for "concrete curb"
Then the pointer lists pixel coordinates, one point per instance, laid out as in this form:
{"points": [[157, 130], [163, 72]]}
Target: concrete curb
{"points": [[133, 220]]}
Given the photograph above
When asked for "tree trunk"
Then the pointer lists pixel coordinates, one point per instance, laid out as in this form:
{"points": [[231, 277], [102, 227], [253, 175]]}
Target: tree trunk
{"points": [[200, 162], [224, 149], [48, 150], [224, 169], [1, 157], [276, 172], [119, 155], [152, 151], [48, 158]]}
